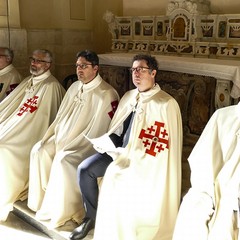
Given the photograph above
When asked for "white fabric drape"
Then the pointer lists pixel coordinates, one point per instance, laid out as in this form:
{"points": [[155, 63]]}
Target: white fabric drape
{"points": [[210, 210], [141, 189], [25, 116], [9, 79], [53, 188]]}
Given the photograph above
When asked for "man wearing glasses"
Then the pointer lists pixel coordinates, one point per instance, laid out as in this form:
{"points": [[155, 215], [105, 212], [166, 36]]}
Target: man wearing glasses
{"points": [[86, 110], [140, 194], [25, 115], [9, 76]]}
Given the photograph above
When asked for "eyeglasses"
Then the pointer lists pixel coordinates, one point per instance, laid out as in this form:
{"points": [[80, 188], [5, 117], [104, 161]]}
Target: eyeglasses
{"points": [[83, 65], [38, 61], [139, 69]]}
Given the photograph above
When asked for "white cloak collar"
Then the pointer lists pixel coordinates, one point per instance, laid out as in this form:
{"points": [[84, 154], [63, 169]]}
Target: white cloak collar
{"points": [[91, 85], [6, 69], [144, 96], [37, 79]]}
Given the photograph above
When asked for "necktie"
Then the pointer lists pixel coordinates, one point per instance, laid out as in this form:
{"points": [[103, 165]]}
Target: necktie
{"points": [[127, 134]]}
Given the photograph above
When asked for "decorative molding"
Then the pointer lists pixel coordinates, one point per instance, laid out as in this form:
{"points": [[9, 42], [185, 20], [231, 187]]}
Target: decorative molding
{"points": [[191, 6]]}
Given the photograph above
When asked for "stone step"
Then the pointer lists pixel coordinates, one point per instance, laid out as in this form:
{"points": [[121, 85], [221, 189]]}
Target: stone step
{"points": [[62, 233]]}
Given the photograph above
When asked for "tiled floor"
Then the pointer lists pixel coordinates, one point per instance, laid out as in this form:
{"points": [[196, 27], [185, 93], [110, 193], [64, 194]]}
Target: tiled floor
{"points": [[16, 229]]}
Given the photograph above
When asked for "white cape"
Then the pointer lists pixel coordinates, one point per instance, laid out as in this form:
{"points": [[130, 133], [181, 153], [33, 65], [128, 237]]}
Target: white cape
{"points": [[9, 79], [53, 190], [25, 116], [141, 189], [210, 210]]}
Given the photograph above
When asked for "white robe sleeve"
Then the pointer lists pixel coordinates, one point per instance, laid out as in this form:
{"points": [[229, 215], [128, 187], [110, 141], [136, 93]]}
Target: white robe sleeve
{"points": [[197, 205]]}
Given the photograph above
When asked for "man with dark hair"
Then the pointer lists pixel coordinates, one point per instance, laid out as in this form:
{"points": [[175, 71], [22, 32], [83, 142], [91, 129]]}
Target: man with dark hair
{"points": [[9, 76], [87, 109], [25, 115], [141, 188]]}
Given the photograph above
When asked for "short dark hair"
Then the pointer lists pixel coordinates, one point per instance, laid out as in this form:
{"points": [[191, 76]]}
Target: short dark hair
{"points": [[150, 60], [90, 56]]}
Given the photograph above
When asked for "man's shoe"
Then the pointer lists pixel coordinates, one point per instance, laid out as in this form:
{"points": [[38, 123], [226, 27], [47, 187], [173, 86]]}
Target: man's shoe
{"points": [[81, 232]]}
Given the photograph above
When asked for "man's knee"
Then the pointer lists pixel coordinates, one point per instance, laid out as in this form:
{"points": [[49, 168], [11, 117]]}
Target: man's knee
{"points": [[88, 170], [83, 174]]}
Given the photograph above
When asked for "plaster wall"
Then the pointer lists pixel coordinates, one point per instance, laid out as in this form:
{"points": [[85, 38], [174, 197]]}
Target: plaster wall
{"points": [[158, 7], [54, 14], [9, 13], [63, 27]]}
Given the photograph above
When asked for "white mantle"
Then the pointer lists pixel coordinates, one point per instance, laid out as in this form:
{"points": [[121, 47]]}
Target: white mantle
{"points": [[217, 68]]}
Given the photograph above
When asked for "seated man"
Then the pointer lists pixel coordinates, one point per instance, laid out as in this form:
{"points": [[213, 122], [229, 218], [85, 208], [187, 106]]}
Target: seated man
{"points": [[25, 115], [140, 194], [87, 109], [210, 209], [9, 76]]}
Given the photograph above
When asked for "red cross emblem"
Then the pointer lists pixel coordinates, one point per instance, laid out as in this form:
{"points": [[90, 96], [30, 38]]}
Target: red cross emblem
{"points": [[155, 138], [12, 87], [114, 105], [29, 105]]}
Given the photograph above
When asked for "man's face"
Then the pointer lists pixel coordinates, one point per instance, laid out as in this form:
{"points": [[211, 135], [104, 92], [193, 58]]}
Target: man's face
{"points": [[143, 78], [4, 60], [86, 72], [38, 64]]}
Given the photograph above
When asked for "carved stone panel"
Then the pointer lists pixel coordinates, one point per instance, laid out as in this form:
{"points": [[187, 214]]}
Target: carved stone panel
{"points": [[195, 96], [116, 76]]}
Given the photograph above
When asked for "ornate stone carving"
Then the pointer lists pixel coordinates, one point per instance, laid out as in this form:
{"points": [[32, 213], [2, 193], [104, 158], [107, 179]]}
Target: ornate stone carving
{"points": [[109, 17], [222, 96], [117, 76], [192, 6], [186, 29]]}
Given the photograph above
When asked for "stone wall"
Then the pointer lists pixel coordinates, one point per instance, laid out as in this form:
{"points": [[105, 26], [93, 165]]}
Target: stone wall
{"points": [[64, 44]]}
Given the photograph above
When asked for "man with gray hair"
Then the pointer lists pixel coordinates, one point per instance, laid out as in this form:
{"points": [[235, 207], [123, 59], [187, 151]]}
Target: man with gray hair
{"points": [[9, 76], [25, 115]]}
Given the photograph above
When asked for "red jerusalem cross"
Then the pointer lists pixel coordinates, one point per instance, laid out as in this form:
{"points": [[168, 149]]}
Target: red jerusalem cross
{"points": [[12, 87], [29, 105], [155, 138], [114, 108]]}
